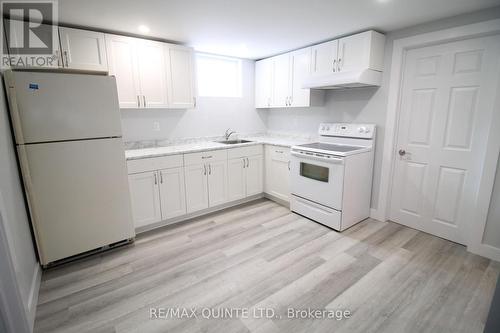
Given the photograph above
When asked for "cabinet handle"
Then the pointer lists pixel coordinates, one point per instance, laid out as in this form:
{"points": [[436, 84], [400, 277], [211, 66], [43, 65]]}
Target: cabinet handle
{"points": [[194, 101], [204, 169], [291, 100], [269, 101], [209, 169], [66, 58], [334, 65], [138, 101], [244, 164], [144, 99], [161, 177], [208, 156], [279, 151], [288, 165], [156, 179], [339, 67], [248, 162]]}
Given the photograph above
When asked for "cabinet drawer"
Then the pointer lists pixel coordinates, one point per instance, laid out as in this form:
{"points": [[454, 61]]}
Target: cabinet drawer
{"points": [[278, 153], [205, 156], [244, 151], [154, 163]]}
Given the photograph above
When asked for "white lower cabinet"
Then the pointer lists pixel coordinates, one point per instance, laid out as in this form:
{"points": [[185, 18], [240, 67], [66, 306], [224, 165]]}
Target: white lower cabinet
{"points": [[172, 193], [277, 178], [145, 198], [196, 187], [245, 177], [217, 183]]}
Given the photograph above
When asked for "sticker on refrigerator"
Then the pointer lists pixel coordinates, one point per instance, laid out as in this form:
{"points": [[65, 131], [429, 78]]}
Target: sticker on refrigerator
{"points": [[33, 86]]}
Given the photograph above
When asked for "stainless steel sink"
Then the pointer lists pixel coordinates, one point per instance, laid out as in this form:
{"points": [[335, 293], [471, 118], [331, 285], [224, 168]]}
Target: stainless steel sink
{"points": [[233, 142]]}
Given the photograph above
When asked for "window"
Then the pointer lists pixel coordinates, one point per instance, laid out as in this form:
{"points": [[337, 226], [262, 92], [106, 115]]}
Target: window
{"points": [[218, 76]]}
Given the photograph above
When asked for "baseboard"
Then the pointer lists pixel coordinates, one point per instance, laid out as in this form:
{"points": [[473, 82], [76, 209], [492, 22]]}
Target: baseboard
{"points": [[200, 213], [277, 200], [375, 214], [485, 250], [33, 296]]}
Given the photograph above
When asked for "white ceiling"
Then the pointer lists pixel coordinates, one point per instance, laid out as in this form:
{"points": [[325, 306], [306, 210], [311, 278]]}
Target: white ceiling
{"points": [[257, 28]]}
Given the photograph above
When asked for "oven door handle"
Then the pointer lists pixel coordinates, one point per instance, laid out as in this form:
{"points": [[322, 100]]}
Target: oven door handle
{"points": [[314, 156]]}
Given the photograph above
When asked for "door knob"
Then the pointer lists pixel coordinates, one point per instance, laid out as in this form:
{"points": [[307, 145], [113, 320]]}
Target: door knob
{"points": [[402, 152]]}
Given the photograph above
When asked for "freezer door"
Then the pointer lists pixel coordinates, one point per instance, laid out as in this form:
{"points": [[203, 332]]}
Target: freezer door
{"points": [[78, 195], [47, 107]]}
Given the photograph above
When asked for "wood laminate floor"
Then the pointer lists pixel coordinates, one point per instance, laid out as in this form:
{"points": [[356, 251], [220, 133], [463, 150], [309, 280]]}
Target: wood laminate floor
{"points": [[261, 256]]}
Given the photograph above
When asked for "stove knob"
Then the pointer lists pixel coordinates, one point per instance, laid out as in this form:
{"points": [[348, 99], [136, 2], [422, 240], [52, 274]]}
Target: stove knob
{"points": [[362, 130], [327, 128], [323, 127]]}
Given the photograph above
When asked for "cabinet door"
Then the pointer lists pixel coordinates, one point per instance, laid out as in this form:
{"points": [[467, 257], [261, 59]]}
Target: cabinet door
{"points": [[236, 179], [123, 65], [300, 68], [354, 52], [324, 58], [145, 198], [172, 193], [180, 76], [14, 32], [281, 80], [82, 49], [254, 175], [277, 180], [217, 182], [196, 187], [152, 74], [263, 83]]}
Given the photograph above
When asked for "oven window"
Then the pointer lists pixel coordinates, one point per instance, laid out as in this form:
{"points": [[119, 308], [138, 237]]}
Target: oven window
{"points": [[315, 172]]}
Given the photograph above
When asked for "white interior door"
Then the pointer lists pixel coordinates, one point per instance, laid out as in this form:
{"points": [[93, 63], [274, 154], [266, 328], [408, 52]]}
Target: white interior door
{"points": [[152, 74], [83, 49], [172, 192], [447, 100]]}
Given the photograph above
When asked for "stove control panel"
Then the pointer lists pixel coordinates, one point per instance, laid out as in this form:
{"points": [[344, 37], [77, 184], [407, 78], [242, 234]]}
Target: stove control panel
{"points": [[363, 131]]}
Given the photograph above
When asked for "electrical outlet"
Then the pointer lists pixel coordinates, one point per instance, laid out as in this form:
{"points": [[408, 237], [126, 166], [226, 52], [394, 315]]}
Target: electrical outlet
{"points": [[156, 126]]}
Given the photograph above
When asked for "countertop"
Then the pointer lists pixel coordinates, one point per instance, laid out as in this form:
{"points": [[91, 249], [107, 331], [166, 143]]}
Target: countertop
{"points": [[208, 145]]}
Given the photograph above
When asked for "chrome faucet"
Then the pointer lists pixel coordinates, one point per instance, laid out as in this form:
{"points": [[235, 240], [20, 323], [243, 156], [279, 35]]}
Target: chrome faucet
{"points": [[228, 133]]}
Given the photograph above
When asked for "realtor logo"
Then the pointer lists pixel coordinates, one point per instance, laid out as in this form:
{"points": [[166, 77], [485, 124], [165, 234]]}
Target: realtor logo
{"points": [[27, 41], [29, 36]]}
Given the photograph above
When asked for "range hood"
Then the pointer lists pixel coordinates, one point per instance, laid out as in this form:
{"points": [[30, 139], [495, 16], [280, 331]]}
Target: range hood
{"points": [[343, 80]]}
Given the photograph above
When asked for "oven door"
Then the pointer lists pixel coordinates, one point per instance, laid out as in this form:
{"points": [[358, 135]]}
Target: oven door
{"points": [[317, 177]]}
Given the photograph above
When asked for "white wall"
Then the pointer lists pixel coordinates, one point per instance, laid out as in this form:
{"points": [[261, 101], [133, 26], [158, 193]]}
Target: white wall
{"points": [[492, 230], [364, 104], [211, 117], [15, 219]]}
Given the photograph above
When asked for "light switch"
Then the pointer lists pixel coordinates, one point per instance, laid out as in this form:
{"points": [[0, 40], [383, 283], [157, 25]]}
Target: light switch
{"points": [[156, 126]]}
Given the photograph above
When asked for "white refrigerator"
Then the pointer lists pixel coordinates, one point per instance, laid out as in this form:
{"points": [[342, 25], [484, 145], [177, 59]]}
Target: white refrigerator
{"points": [[68, 135]]}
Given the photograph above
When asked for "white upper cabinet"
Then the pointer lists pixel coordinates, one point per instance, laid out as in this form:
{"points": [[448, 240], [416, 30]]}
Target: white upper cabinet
{"points": [[281, 82], [264, 83], [83, 49], [139, 67], [324, 58], [361, 51], [278, 81], [122, 60], [357, 52], [14, 32], [179, 62], [151, 71]]}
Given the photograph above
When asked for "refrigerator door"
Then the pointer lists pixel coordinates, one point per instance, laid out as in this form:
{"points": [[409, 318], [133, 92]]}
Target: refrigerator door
{"points": [[78, 195], [48, 107]]}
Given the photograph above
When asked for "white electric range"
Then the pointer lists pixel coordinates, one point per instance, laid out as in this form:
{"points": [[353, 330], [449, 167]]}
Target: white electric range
{"points": [[331, 180]]}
